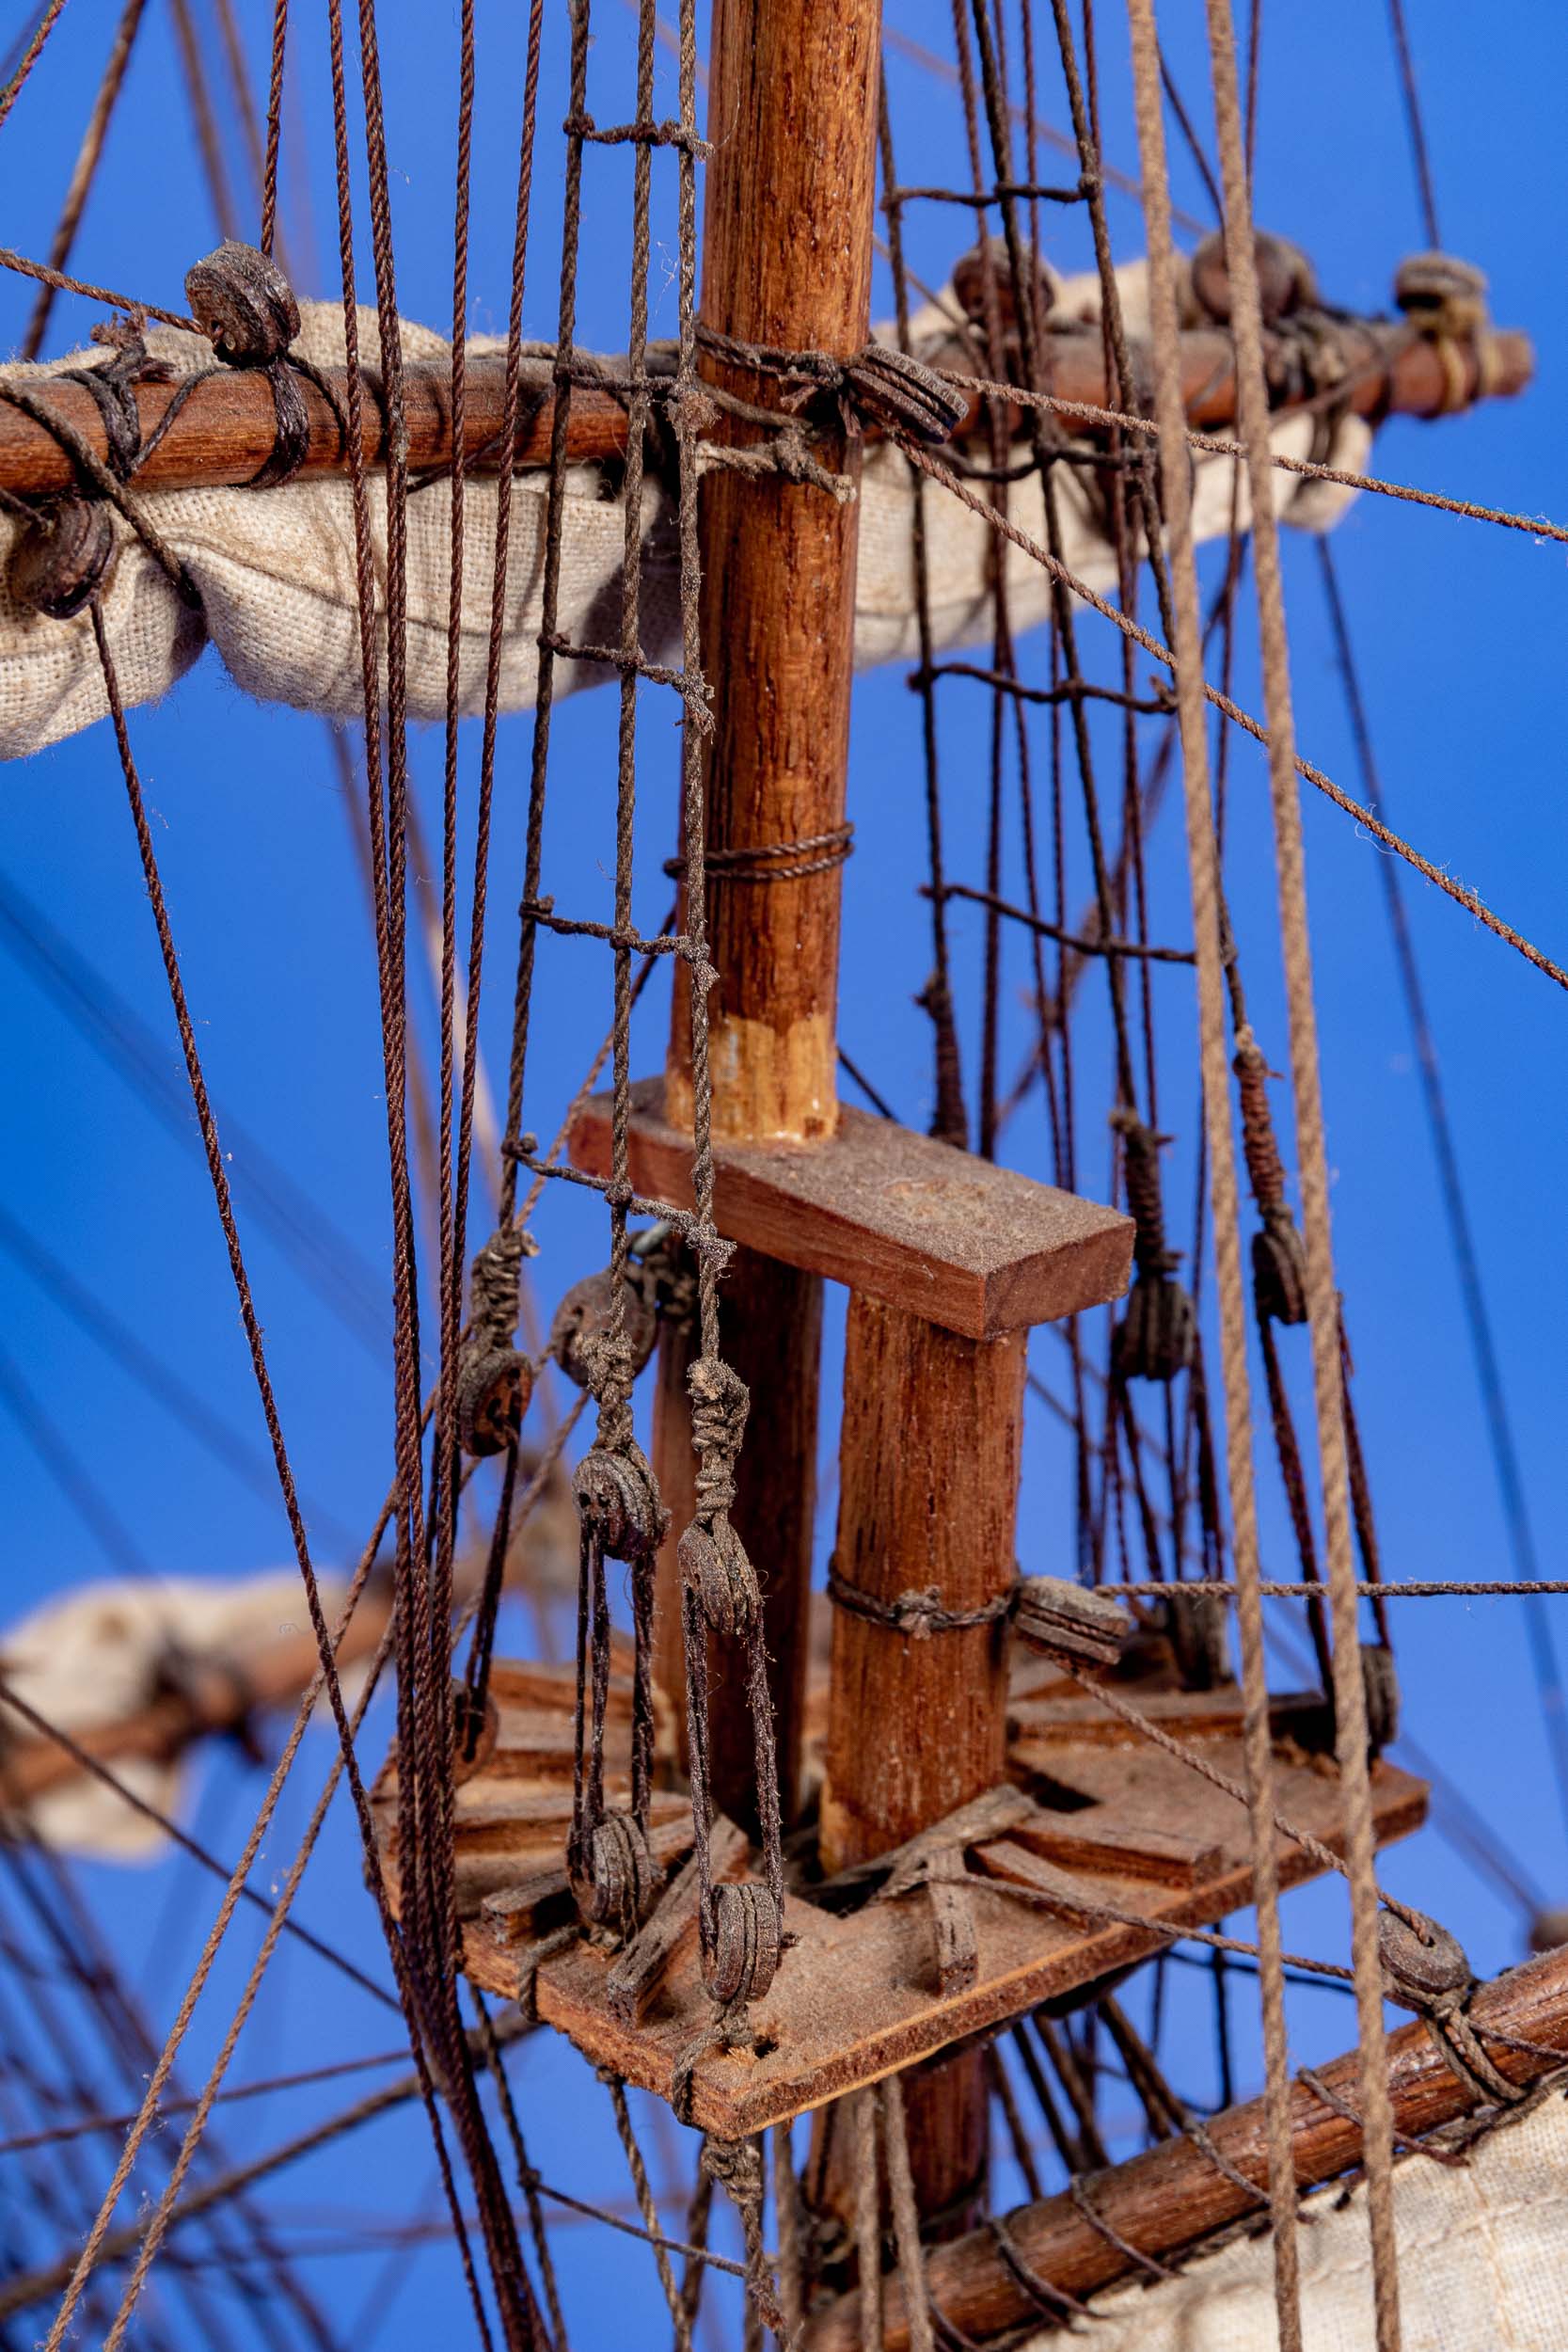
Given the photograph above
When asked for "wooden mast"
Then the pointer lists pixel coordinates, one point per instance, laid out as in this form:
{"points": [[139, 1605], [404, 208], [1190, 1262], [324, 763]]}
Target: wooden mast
{"points": [[790, 197]]}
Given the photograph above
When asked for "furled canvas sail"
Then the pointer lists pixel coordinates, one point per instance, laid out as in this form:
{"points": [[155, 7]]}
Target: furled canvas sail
{"points": [[275, 569], [107, 1652], [1481, 2263]]}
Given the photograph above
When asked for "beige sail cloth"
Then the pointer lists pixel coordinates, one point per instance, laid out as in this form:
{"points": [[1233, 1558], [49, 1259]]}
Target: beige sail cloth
{"points": [[1483, 2264], [105, 1651], [275, 569]]}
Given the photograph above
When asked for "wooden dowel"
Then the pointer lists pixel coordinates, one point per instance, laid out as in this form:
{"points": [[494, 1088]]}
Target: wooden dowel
{"points": [[226, 430], [1168, 2200]]}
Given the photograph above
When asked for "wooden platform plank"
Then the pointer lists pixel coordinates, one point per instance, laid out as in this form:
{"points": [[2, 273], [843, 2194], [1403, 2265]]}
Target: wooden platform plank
{"points": [[857, 1998], [898, 1217]]}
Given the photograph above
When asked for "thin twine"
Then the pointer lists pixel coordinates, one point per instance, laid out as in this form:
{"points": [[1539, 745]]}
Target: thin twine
{"points": [[84, 170], [30, 56], [323, 1639], [268, 230]]}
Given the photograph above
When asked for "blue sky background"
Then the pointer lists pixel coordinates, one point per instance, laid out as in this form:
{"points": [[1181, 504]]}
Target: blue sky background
{"points": [[1458, 627]]}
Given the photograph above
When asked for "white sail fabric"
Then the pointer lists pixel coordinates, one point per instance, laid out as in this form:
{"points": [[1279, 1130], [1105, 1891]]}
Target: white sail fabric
{"points": [[101, 1654], [1483, 2264], [275, 569]]}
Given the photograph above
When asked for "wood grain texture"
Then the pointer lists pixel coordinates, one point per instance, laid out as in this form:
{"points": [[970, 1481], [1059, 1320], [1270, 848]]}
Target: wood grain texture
{"points": [[858, 1997], [930, 1453], [1166, 2201], [788, 229], [928, 1468], [226, 430], [900, 1218]]}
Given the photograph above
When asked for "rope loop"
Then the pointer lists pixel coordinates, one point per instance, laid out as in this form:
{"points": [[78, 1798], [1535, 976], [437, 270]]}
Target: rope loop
{"points": [[1278, 1257]]}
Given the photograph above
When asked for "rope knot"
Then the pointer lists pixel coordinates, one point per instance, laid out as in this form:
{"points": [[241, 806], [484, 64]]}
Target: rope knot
{"points": [[745, 1944], [495, 1380], [735, 2164], [244, 304], [62, 558], [714, 1564], [1157, 1337]]}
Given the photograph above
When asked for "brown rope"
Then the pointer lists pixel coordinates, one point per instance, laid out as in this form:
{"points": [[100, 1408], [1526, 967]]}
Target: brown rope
{"points": [[916, 1614], [30, 56]]}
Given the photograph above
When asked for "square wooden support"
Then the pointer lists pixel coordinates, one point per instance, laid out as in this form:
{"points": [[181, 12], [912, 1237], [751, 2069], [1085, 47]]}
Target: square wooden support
{"points": [[1095, 1817], [900, 1218]]}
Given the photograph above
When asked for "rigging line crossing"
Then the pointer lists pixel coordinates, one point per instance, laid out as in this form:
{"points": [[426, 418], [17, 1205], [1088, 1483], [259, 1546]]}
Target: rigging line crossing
{"points": [[1537, 526], [48, 1730], [80, 1485], [1500, 1421], [1260, 732], [324, 1256], [1350, 1696]]}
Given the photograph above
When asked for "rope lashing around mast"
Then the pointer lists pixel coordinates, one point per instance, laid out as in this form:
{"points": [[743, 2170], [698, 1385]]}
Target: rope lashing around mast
{"points": [[1157, 1337], [774, 860], [880, 385], [741, 1927]]}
